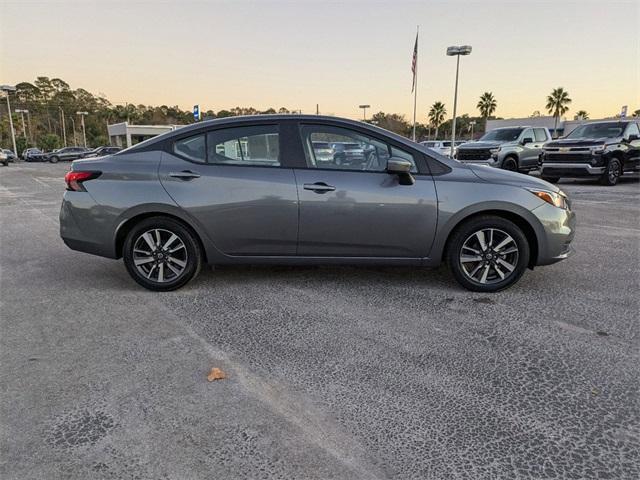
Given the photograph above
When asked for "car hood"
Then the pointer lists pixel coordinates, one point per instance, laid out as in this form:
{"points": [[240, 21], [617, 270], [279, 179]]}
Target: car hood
{"points": [[505, 177], [580, 142], [479, 145]]}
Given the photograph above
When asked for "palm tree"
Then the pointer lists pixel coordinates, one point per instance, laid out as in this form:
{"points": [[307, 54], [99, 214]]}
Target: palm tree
{"points": [[557, 105], [487, 105], [581, 115], [436, 115]]}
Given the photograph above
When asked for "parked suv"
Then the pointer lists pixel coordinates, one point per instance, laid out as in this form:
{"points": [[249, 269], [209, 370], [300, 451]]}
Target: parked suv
{"points": [[32, 155], [511, 148], [67, 153], [102, 151], [596, 149]]}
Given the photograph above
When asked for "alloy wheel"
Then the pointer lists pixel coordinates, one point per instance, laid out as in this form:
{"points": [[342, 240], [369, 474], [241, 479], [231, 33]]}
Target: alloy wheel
{"points": [[160, 255], [489, 256], [614, 171]]}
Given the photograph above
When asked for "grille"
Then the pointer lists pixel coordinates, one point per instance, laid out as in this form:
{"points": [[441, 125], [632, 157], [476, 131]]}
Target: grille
{"points": [[567, 157], [477, 154]]}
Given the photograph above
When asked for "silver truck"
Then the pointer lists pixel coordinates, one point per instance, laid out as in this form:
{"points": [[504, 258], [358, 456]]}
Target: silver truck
{"points": [[511, 148]]}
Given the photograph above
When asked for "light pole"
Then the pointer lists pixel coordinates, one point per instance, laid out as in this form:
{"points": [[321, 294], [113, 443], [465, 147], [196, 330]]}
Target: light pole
{"points": [[73, 127], [456, 51], [24, 128], [7, 89], [84, 134], [472, 123], [364, 111], [64, 130]]}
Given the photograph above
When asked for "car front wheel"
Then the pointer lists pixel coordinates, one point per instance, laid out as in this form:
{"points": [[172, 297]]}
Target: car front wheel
{"points": [[510, 164], [54, 159], [488, 253], [161, 254], [612, 173]]}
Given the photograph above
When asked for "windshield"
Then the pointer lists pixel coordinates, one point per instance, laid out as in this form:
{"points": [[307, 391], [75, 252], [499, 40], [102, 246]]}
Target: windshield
{"points": [[598, 130], [503, 134]]}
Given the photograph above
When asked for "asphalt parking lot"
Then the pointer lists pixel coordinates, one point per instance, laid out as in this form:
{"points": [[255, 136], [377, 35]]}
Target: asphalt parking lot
{"points": [[332, 372]]}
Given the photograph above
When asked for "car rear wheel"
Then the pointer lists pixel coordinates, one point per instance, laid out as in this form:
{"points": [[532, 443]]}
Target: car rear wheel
{"points": [[488, 253], [612, 173], [161, 254], [54, 159], [510, 164]]}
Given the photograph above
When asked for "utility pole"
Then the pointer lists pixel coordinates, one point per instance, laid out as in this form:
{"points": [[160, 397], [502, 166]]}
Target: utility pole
{"points": [[472, 123], [84, 133], [64, 130], [317, 109], [7, 89], [24, 128], [73, 126]]}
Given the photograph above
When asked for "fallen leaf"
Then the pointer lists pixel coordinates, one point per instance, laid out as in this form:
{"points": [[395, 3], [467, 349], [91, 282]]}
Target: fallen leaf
{"points": [[216, 374]]}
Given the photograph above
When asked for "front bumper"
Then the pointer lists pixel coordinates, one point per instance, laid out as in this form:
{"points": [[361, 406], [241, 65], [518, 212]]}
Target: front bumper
{"points": [[570, 169], [559, 229]]}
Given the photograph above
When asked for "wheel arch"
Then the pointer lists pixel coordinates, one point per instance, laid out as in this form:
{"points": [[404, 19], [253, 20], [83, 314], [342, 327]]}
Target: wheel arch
{"points": [[126, 225], [525, 224]]}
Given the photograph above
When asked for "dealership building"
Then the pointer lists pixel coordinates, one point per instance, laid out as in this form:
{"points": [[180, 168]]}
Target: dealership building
{"points": [[125, 135]]}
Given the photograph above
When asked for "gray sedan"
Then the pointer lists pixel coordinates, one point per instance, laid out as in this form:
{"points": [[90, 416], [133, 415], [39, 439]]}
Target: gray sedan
{"points": [[250, 190]]}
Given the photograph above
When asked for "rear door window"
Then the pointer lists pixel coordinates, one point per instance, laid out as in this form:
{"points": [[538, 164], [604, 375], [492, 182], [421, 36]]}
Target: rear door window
{"points": [[245, 146]]}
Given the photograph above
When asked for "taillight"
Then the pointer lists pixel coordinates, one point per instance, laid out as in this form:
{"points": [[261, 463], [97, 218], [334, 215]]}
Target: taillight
{"points": [[74, 180]]}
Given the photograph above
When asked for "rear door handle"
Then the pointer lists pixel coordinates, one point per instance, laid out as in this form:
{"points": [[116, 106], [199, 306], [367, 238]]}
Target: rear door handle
{"points": [[185, 175], [319, 187]]}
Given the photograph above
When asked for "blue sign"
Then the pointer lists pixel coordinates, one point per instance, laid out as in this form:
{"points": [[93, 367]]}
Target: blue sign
{"points": [[196, 112]]}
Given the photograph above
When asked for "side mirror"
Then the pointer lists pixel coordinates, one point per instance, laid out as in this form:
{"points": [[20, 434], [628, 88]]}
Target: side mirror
{"points": [[398, 166], [402, 168], [633, 137], [527, 140]]}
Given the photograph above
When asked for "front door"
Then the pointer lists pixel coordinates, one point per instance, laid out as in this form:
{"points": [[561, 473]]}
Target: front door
{"points": [[359, 210], [232, 182]]}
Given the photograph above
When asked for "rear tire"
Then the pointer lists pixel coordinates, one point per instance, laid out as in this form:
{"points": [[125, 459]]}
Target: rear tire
{"points": [[493, 262], [611, 173], [162, 254]]}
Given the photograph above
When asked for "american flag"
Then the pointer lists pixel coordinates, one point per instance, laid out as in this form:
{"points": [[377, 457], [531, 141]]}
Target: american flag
{"points": [[414, 64]]}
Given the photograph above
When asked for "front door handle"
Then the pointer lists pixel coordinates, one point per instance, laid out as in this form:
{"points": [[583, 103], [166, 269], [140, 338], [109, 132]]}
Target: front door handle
{"points": [[319, 187], [185, 175]]}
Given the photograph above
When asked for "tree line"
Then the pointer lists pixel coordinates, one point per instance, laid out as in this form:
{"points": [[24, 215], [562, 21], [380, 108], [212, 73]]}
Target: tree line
{"points": [[52, 105], [52, 121]]}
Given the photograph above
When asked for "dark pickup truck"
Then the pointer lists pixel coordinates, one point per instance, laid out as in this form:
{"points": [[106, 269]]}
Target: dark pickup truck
{"points": [[597, 149]]}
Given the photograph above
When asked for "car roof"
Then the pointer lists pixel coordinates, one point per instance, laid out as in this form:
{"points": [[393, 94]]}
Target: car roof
{"points": [[248, 119]]}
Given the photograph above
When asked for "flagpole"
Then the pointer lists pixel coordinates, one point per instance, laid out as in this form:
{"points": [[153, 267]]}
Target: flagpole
{"points": [[415, 90]]}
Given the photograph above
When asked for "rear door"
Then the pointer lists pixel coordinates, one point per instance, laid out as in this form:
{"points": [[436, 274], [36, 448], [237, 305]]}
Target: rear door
{"points": [[231, 180], [363, 211]]}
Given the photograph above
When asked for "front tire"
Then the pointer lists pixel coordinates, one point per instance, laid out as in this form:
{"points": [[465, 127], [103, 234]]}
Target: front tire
{"points": [[488, 253], [54, 159], [161, 254], [612, 173], [510, 164]]}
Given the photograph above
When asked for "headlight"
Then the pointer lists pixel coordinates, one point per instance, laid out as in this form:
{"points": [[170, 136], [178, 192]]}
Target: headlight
{"points": [[598, 149], [494, 150], [558, 199]]}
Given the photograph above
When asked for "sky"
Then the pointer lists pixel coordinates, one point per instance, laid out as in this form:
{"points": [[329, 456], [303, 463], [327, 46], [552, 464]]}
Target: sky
{"points": [[296, 54]]}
